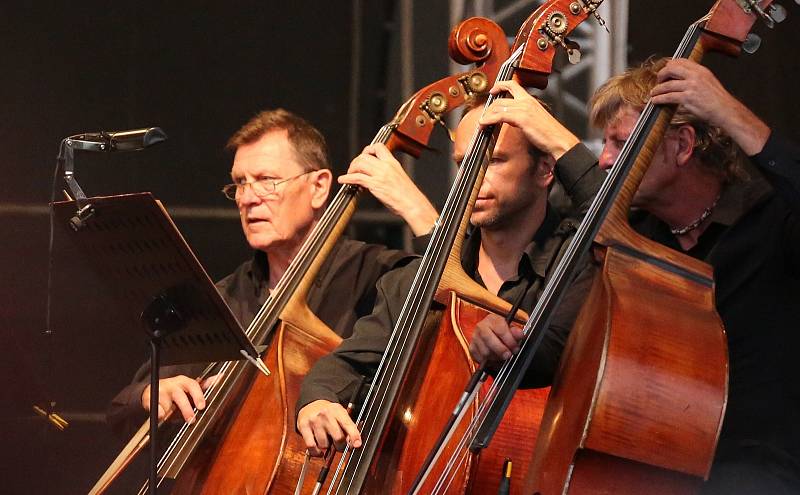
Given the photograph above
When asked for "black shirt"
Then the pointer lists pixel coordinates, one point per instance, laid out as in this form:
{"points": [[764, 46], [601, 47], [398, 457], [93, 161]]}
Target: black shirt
{"points": [[753, 245], [343, 291]]}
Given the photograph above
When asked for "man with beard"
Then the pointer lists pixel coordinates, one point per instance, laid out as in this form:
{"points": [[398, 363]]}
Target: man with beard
{"points": [[512, 244]]}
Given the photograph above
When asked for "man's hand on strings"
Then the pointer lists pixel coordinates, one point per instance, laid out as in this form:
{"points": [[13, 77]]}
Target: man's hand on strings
{"points": [[321, 422], [181, 392], [494, 341], [525, 112], [378, 171]]}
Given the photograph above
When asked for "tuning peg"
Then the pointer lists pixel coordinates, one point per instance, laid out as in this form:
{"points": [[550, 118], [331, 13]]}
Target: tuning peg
{"points": [[573, 50], [574, 56], [778, 12], [769, 21], [591, 6], [751, 43]]}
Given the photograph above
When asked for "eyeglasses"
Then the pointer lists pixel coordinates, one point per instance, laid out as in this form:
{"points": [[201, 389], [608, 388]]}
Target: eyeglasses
{"points": [[261, 187]]}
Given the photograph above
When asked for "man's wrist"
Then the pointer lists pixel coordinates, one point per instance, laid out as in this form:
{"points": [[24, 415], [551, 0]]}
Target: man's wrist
{"points": [[748, 131], [563, 145], [421, 216]]}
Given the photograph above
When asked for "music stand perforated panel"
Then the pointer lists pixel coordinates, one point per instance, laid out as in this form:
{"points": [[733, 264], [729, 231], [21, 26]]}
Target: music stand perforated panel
{"points": [[137, 251]]}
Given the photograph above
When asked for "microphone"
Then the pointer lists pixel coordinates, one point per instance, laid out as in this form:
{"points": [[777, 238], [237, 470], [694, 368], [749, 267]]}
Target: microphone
{"points": [[131, 140]]}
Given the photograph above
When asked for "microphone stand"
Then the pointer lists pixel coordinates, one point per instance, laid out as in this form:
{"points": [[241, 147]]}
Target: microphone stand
{"points": [[161, 317], [132, 140], [66, 160]]}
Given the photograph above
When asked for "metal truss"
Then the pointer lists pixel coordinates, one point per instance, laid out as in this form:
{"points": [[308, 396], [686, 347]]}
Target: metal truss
{"points": [[569, 89], [603, 54]]}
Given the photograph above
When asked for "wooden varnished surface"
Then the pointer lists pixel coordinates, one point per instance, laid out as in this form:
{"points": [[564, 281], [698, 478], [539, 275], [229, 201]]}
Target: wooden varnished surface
{"points": [[649, 380]]}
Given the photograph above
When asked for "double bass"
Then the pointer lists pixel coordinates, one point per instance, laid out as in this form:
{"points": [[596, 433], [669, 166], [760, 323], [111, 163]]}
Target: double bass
{"points": [[639, 398], [421, 376], [244, 439]]}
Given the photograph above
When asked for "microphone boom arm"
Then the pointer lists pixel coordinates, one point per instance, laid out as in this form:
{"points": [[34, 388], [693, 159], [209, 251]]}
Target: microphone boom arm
{"points": [[133, 140]]}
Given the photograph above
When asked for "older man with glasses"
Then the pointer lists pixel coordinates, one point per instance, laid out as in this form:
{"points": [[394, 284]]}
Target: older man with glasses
{"points": [[281, 183]]}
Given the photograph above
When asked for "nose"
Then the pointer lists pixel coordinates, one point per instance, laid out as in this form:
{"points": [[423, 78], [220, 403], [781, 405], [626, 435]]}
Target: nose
{"points": [[486, 183], [247, 196], [607, 158]]}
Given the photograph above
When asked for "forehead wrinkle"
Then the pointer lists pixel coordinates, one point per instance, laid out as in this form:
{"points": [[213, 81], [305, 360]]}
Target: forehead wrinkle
{"points": [[273, 150], [252, 164], [241, 168]]}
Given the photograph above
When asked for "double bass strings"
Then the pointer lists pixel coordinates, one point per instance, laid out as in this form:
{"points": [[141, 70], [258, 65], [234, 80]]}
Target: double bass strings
{"points": [[394, 343], [583, 238], [219, 390], [433, 262], [474, 160], [438, 240]]}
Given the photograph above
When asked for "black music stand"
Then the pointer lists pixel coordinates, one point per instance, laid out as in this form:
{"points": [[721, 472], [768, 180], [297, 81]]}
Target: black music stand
{"points": [[154, 281]]}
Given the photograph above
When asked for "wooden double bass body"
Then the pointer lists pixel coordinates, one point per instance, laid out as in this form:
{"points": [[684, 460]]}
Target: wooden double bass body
{"points": [[441, 366], [642, 383], [638, 402], [515, 438]]}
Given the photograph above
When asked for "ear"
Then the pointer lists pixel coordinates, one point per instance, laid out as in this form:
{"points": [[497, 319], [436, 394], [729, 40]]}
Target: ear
{"points": [[686, 140], [321, 181], [544, 170]]}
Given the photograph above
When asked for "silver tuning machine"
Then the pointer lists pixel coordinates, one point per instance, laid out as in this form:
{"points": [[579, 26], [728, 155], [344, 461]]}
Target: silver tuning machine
{"points": [[777, 12], [553, 33], [751, 43], [590, 7], [774, 14]]}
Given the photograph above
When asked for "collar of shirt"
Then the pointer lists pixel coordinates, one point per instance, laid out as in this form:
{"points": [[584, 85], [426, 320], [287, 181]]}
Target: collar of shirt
{"points": [[259, 270], [736, 199], [536, 257], [259, 274]]}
